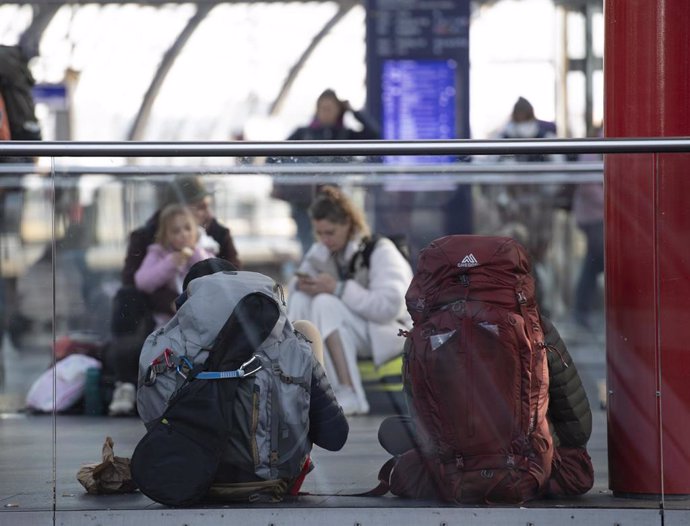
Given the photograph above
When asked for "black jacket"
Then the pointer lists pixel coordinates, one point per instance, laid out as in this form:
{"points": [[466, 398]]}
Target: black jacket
{"points": [[369, 131], [328, 427], [569, 412]]}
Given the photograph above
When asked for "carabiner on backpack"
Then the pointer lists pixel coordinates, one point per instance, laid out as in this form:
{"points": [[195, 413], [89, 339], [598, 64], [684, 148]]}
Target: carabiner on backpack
{"points": [[253, 363]]}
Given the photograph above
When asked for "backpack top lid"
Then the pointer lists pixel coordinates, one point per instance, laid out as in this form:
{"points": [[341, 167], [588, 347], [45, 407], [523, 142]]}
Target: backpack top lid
{"points": [[211, 300], [494, 265], [467, 253]]}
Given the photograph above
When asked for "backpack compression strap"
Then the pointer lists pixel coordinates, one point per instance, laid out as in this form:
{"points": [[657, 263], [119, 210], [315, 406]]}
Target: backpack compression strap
{"points": [[253, 365]]}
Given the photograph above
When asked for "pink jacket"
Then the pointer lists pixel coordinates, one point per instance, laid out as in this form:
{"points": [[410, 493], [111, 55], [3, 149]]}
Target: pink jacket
{"points": [[158, 269]]}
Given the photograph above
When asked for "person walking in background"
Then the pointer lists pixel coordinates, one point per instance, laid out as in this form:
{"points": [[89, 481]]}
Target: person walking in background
{"points": [[588, 210], [18, 122], [358, 309], [327, 125]]}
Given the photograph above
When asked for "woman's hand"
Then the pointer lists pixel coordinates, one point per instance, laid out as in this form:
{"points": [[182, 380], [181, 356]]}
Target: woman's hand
{"points": [[320, 284]]}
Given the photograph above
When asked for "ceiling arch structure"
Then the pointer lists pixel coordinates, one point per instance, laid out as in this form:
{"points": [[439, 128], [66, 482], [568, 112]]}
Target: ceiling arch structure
{"points": [[152, 85], [44, 12]]}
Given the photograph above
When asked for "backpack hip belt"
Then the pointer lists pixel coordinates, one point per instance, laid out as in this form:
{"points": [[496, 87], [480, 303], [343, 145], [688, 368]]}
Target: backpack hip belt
{"points": [[455, 479], [459, 464]]}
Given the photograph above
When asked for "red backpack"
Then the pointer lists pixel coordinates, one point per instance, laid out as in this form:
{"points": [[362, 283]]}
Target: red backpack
{"points": [[478, 374]]}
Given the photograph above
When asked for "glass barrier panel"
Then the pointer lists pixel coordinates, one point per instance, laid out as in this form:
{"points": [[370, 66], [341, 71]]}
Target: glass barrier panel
{"points": [[671, 394], [263, 205], [82, 226], [27, 376]]}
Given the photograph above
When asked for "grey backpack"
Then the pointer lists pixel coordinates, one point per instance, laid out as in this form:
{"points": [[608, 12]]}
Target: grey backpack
{"points": [[270, 412]]}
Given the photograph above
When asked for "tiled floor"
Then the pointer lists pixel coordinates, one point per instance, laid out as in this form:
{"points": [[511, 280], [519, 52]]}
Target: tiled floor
{"points": [[40, 456]]}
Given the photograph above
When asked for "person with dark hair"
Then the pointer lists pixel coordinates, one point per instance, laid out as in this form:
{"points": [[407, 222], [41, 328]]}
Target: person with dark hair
{"points": [[203, 268], [327, 125], [358, 308], [189, 191], [328, 122], [133, 309]]}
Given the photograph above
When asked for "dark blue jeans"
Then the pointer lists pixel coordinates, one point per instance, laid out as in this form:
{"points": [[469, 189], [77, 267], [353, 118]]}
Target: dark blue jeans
{"points": [[592, 266], [300, 214]]}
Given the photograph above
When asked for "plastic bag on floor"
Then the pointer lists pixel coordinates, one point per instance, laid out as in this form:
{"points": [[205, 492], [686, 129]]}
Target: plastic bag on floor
{"points": [[112, 475], [70, 376]]}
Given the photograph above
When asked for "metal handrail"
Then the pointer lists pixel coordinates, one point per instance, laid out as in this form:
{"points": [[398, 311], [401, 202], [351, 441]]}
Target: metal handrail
{"points": [[363, 174], [459, 147], [492, 168]]}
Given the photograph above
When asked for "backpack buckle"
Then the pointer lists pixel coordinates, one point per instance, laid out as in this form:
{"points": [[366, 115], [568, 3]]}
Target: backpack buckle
{"points": [[150, 376], [184, 366], [522, 299], [254, 364], [158, 366]]}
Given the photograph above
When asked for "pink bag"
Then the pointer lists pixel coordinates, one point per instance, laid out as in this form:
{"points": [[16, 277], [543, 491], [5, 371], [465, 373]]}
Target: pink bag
{"points": [[70, 376]]}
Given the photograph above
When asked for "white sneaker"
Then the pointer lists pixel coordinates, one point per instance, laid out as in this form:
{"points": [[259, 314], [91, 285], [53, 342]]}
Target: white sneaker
{"points": [[347, 398], [123, 399]]}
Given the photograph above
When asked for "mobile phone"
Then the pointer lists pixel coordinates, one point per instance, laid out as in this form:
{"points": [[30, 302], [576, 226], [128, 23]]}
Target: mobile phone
{"points": [[303, 275]]}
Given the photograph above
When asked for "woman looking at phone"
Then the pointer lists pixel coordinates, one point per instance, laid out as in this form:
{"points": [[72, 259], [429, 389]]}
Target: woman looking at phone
{"points": [[357, 309]]}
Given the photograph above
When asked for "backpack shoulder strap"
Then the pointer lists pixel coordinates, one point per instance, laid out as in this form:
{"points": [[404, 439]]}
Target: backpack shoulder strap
{"points": [[369, 247], [363, 253], [248, 326]]}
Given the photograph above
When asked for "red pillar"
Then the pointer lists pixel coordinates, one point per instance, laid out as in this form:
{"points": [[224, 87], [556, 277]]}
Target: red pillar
{"points": [[647, 94]]}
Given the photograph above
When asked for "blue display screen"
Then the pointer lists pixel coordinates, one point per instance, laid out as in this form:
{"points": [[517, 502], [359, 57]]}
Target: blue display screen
{"points": [[419, 102]]}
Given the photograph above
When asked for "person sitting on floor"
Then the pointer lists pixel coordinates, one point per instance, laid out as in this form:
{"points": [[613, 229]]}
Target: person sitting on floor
{"points": [[132, 318], [358, 309]]}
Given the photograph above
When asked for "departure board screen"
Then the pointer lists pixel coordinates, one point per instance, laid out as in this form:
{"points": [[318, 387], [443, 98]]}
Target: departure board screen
{"points": [[419, 102]]}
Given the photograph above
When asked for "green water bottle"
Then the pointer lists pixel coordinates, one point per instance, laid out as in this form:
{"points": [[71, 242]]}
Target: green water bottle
{"points": [[93, 401]]}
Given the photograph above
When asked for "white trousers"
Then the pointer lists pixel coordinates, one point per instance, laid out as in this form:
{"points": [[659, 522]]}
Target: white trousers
{"points": [[331, 315]]}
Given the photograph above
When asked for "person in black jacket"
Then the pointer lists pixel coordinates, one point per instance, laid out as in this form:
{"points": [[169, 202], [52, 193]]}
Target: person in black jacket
{"points": [[132, 318], [326, 125], [191, 192], [570, 419], [569, 416]]}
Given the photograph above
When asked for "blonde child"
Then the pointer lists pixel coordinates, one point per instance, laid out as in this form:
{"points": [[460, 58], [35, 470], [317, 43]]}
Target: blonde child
{"points": [[175, 250]]}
